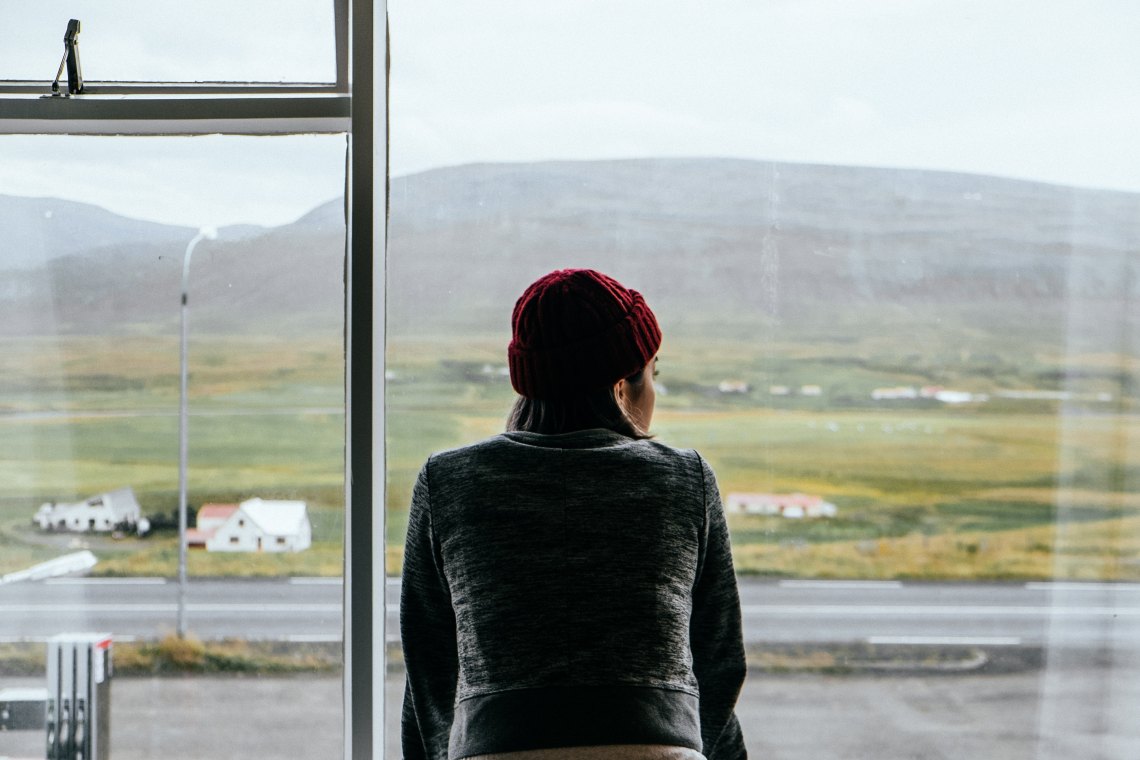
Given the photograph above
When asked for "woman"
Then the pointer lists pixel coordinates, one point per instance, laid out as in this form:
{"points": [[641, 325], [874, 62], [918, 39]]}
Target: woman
{"points": [[568, 590]]}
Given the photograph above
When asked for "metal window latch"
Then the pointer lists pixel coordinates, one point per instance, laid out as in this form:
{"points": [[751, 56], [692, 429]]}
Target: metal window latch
{"points": [[71, 61]]}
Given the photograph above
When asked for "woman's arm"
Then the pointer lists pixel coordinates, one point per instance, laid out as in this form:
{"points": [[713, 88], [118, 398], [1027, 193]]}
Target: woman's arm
{"points": [[427, 631], [715, 634]]}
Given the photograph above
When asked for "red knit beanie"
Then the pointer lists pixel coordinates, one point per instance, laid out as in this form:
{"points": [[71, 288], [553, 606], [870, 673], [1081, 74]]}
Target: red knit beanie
{"points": [[577, 330]]}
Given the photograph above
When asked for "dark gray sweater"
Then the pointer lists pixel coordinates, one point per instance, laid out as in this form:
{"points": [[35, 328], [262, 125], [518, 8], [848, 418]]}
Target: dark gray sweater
{"points": [[569, 590]]}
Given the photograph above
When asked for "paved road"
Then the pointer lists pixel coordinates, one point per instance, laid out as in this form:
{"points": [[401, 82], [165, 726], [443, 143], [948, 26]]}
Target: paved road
{"points": [[76, 414], [1065, 615]]}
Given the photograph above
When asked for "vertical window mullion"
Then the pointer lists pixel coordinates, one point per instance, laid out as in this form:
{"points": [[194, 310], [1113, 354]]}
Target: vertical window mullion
{"points": [[365, 482]]}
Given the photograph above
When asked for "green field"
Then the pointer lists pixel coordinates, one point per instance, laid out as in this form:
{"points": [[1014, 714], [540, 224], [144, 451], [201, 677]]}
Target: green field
{"points": [[997, 490]]}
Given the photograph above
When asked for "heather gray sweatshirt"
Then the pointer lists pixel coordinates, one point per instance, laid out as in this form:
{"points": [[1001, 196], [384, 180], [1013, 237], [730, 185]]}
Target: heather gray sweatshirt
{"points": [[569, 590]]}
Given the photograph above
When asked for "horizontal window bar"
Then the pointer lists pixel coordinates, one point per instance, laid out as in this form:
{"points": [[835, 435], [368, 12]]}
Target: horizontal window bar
{"points": [[173, 115], [22, 87]]}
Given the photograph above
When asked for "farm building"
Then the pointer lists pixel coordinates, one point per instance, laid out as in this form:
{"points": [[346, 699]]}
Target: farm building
{"points": [[895, 394], [947, 396], [733, 386], [210, 517], [106, 512], [790, 505], [255, 525]]}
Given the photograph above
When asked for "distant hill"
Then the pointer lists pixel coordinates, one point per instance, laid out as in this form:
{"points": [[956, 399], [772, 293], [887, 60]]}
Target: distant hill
{"points": [[709, 241], [98, 272], [38, 231], [752, 240]]}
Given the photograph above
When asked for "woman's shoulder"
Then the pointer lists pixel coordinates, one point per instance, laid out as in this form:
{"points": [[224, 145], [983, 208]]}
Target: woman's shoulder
{"points": [[586, 447], [690, 460], [465, 453], [590, 443]]}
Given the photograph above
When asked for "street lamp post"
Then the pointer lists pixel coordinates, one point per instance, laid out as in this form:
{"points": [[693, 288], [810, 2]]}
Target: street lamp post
{"points": [[183, 436]]}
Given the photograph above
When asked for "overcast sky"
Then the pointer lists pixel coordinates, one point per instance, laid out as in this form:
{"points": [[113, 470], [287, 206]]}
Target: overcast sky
{"points": [[1036, 89]]}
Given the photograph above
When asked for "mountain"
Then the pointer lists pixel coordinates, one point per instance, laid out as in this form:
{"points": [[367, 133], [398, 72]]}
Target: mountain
{"points": [[755, 243], [709, 241], [38, 231], [125, 275]]}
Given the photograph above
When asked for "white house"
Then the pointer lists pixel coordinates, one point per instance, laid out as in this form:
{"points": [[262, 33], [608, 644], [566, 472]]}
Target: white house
{"points": [[894, 394], [257, 525], [947, 396], [733, 386], [102, 513], [790, 505]]}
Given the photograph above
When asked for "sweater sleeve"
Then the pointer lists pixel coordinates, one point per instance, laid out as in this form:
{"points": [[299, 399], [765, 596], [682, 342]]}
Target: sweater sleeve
{"points": [[715, 634], [427, 633]]}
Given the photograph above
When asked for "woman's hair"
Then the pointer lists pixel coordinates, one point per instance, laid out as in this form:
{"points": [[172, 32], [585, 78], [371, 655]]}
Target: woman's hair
{"points": [[583, 411]]}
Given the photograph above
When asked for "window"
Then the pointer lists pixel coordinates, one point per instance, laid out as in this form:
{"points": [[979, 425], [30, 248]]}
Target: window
{"points": [[278, 95], [893, 251]]}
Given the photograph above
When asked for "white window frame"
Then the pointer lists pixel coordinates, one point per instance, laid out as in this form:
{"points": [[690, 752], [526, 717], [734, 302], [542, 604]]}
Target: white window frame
{"points": [[356, 104]]}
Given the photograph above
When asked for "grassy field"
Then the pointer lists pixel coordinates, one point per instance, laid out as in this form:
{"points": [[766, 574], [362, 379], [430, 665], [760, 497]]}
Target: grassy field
{"points": [[996, 490], [266, 420], [1004, 490]]}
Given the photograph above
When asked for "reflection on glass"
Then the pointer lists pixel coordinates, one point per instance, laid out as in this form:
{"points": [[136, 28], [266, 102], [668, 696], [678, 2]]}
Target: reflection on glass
{"points": [[89, 459]]}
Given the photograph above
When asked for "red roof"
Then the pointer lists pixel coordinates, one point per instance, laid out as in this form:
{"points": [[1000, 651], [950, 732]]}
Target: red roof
{"points": [[216, 511]]}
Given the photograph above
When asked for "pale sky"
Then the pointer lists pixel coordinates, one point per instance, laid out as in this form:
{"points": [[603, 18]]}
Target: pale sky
{"points": [[1044, 89], [1035, 89]]}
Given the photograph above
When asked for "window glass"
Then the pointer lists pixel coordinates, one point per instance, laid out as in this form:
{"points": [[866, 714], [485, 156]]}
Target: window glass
{"points": [[893, 251], [212, 41], [97, 232]]}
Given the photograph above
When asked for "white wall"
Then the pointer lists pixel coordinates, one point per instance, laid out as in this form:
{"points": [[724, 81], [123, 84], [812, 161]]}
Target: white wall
{"points": [[240, 534]]}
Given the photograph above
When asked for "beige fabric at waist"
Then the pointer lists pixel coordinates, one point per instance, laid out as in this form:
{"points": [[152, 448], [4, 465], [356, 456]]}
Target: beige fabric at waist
{"points": [[607, 752]]}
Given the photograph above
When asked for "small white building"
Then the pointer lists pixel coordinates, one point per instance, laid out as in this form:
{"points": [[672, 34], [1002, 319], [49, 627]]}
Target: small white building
{"points": [[895, 394], [102, 514], [256, 525], [733, 386], [948, 396], [789, 505]]}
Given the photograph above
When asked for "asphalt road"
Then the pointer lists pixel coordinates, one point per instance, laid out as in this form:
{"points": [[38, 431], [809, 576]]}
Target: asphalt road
{"points": [[76, 414], [1072, 705], [1104, 617]]}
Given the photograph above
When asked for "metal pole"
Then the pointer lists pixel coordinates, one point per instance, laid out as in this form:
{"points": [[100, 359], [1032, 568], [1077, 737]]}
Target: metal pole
{"points": [[183, 433]]}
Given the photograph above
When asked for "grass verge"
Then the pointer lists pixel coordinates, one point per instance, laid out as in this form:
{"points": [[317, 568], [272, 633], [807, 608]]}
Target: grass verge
{"points": [[180, 657], [174, 656]]}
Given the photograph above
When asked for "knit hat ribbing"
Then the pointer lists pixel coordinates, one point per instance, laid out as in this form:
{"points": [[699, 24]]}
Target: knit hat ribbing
{"points": [[576, 330]]}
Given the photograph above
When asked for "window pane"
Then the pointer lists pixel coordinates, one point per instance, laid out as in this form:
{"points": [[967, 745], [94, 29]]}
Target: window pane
{"points": [[90, 320], [894, 259], [134, 40]]}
